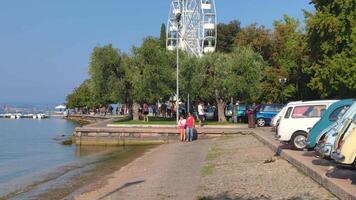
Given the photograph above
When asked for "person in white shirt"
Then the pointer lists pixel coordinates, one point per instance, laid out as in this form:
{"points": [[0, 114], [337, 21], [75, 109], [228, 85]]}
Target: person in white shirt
{"points": [[201, 113]]}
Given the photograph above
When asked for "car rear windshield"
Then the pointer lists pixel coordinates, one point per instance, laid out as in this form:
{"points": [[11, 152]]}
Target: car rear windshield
{"points": [[308, 111], [338, 113], [272, 108]]}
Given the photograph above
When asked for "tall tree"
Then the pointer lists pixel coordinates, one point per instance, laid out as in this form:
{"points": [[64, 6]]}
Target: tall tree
{"points": [[258, 37], [163, 36], [332, 40], [106, 74], [81, 96], [237, 75], [226, 35], [289, 55], [151, 73]]}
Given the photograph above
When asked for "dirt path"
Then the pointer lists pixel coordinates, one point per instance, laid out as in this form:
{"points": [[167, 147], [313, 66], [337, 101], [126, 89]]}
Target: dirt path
{"points": [[171, 171]]}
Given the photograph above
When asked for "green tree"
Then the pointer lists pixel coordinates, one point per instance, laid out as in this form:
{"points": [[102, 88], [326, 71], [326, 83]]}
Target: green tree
{"points": [[258, 37], [81, 96], [223, 76], [163, 36], [151, 73], [226, 35], [106, 73], [332, 41], [285, 51], [289, 55]]}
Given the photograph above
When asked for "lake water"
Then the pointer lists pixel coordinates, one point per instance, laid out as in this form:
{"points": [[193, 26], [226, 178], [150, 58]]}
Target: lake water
{"points": [[33, 163], [27, 146]]}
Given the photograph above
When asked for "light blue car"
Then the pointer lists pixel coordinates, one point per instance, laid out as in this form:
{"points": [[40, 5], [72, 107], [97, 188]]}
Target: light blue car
{"points": [[330, 116], [327, 139]]}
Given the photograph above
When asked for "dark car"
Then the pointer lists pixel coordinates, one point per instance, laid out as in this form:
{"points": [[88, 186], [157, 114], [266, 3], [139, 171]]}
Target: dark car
{"points": [[266, 112], [210, 113]]}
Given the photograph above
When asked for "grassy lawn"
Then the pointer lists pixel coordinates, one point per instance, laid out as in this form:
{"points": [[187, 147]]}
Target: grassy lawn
{"points": [[162, 121], [151, 121]]}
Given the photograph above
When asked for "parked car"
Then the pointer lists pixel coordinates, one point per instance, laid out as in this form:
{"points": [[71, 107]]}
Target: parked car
{"points": [[326, 141], [331, 115], [266, 112], [211, 113], [228, 111], [275, 120], [298, 119], [345, 146], [241, 112]]}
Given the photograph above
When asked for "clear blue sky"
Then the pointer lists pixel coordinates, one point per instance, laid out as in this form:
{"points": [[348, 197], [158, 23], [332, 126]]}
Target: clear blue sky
{"points": [[45, 45]]}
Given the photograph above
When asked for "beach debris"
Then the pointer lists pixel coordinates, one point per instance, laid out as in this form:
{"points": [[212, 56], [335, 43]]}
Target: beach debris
{"points": [[270, 160]]}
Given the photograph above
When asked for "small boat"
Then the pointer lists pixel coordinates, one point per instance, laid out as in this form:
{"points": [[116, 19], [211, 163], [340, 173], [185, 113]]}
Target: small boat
{"points": [[41, 116], [60, 111]]}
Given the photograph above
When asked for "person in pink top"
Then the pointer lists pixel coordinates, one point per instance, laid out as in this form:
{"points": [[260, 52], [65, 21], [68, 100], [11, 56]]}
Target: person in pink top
{"points": [[181, 127], [190, 126]]}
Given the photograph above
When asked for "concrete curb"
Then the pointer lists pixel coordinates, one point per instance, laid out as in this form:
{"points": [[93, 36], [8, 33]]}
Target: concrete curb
{"points": [[340, 191], [175, 126]]}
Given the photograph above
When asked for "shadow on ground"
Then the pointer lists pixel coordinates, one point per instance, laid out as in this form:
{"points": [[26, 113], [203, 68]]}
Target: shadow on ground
{"points": [[226, 196], [323, 162], [122, 187], [342, 172]]}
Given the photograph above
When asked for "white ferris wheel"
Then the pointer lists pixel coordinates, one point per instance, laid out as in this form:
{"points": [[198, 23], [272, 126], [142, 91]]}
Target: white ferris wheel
{"points": [[194, 23]]}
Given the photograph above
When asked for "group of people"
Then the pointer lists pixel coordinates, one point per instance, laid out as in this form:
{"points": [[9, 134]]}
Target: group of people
{"points": [[186, 127]]}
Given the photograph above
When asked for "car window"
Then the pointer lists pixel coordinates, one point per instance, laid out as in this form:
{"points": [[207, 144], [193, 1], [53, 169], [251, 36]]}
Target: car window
{"points": [[337, 113], [242, 107], [308, 111], [268, 108], [279, 108], [289, 111], [210, 109], [228, 107]]}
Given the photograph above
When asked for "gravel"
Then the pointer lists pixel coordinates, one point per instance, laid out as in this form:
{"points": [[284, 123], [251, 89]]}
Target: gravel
{"points": [[242, 168]]}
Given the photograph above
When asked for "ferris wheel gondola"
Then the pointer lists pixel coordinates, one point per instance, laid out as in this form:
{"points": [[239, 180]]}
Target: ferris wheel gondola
{"points": [[196, 29]]}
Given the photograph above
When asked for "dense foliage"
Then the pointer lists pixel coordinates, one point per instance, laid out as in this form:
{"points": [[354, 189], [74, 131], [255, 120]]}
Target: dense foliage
{"points": [[331, 36], [318, 61]]}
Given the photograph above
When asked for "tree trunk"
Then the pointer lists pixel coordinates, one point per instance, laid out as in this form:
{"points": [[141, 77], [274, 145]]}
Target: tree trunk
{"points": [[221, 111], [234, 114], [135, 113]]}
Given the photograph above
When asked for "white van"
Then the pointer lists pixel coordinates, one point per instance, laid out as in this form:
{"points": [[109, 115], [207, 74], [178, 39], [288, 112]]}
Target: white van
{"points": [[298, 119]]}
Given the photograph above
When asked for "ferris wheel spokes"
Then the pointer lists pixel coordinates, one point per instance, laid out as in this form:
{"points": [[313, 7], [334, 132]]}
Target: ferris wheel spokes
{"points": [[197, 30]]}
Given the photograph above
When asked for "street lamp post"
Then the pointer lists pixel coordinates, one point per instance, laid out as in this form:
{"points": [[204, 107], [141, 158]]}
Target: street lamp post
{"points": [[178, 18], [283, 81]]}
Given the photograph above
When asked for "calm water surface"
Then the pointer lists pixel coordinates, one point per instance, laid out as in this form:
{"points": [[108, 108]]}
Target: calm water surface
{"points": [[33, 163], [27, 146]]}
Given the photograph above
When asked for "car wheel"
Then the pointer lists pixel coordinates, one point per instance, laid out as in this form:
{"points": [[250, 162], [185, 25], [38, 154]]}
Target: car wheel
{"points": [[261, 122], [298, 140]]}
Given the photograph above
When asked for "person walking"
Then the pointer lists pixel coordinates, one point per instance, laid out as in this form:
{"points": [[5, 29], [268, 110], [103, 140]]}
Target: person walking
{"points": [[145, 112], [190, 127], [181, 126], [201, 113]]}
